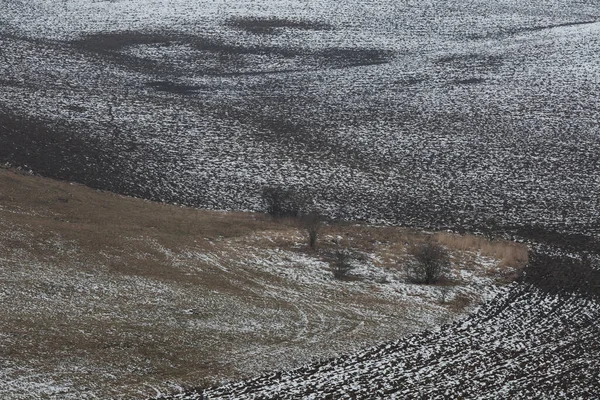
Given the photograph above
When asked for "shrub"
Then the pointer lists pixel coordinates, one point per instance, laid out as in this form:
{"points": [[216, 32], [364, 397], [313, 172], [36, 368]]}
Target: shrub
{"points": [[342, 264], [460, 302], [430, 264], [443, 294]]}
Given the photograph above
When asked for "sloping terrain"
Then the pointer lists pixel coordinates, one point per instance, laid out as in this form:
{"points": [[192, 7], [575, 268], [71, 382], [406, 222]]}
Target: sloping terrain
{"points": [[459, 114], [529, 342], [110, 297], [526, 345], [472, 115]]}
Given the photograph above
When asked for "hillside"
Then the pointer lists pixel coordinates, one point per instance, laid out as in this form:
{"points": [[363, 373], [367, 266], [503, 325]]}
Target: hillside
{"points": [[156, 272], [537, 338], [525, 344], [108, 296], [459, 114]]}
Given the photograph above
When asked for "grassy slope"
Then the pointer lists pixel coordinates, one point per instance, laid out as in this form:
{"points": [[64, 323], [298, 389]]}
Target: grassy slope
{"points": [[105, 295]]}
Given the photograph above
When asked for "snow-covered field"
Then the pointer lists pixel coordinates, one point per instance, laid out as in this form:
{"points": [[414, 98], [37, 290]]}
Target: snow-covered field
{"points": [[525, 344], [537, 338], [437, 113], [85, 332], [466, 114], [110, 297]]}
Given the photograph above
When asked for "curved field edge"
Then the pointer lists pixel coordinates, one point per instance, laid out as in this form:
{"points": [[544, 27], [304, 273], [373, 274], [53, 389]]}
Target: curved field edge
{"points": [[108, 296], [536, 339], [527, 343]]}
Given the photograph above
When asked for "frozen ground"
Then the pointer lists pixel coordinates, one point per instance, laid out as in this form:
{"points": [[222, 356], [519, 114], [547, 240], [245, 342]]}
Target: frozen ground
{"points": [[87, 332], [525, 344], [110, 297], [464, 114], [537, 339], [447, 113]]}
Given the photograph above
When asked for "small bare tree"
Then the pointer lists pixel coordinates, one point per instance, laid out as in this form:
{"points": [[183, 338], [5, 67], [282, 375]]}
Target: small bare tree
{"points": [[281, 202], [342, 264], [431, 262], [443, 294], [312, 223]]}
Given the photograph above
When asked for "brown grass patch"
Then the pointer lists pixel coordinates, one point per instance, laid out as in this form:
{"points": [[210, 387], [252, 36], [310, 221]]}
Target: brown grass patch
{"points": [[118, 285], [460, 302], [510, 254]]}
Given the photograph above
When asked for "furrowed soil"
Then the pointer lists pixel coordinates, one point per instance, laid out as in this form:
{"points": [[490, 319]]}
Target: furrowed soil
{"points": [[467, 115], [471, 116]]}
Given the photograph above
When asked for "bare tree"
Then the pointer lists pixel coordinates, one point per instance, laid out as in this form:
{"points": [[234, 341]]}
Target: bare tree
{"points": [[444, 292], [342, 264], [281, 202], [431, 262], [312, 223]]}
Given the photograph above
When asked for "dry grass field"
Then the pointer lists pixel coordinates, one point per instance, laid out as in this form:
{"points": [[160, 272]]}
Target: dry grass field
{"points": [[108, 296]]}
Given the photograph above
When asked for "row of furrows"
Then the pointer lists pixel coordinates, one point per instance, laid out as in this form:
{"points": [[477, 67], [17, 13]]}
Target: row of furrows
{"points": [[525, 343], [440, 139]]}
